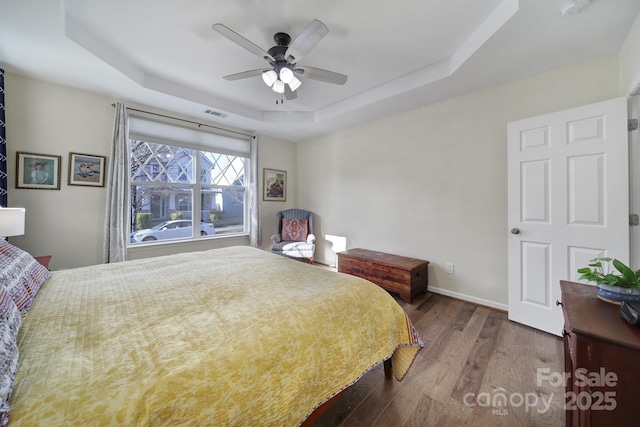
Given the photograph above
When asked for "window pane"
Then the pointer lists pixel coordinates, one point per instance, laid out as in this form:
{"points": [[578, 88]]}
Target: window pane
{"points": [[221, 169], [163, 186], [224, 207], [161, 163], [156, 211]]}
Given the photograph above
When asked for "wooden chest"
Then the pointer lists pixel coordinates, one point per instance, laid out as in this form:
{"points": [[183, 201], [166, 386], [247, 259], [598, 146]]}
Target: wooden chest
{"points": [[404, 276]]}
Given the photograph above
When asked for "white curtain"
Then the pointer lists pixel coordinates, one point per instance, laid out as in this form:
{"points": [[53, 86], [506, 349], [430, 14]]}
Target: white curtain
{"points": [[116, 212], [255, 236]]}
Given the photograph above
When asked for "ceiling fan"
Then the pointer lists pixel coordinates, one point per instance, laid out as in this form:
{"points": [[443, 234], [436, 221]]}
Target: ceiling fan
{"points": [[283, 59]]}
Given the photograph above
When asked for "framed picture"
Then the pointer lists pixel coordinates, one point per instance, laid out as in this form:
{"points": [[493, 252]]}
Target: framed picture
{"points": [[37, 171], [275, 185], [87, 169]]}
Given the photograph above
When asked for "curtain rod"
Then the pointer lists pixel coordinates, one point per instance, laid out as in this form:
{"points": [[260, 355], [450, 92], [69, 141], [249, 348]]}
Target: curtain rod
{"points": [[187, 121]]}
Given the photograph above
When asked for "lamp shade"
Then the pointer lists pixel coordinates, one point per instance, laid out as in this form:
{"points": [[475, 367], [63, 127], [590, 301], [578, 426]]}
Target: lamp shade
{"points": [[11, 222], [269, 77], [286, 75], [294, 83], [278, 86]]}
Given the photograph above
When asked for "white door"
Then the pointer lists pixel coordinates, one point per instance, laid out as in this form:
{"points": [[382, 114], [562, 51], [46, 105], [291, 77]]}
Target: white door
{"points": [[568, 202], [634, 190]]}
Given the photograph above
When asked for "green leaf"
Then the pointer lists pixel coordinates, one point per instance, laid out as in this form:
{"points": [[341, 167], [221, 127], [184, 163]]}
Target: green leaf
{"points": [[612, 279], [627, 273], [635, 283]]}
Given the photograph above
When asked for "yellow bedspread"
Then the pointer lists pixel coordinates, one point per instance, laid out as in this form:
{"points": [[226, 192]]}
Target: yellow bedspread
{"points": [[226, 337]]}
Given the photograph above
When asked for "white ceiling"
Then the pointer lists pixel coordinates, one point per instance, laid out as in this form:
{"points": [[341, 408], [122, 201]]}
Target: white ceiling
{"points": [[398, 55]]}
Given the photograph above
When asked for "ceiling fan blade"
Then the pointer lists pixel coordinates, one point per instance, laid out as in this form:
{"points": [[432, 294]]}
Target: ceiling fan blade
{"points": [[306, 40], [289, 94], [322, 75], [241, 41], [244, 74]]}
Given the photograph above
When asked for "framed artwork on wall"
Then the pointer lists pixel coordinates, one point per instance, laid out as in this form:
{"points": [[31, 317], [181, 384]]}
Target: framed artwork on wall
{"points": [[87, 169], [37, 171], [275, 185]]}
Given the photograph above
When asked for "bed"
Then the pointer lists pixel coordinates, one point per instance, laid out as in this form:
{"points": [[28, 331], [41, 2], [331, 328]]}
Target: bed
{"points": [[230, 337]]}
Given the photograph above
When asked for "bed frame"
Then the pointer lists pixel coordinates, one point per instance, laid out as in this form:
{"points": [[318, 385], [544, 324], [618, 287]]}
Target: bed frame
{"points": [[326, 405]]}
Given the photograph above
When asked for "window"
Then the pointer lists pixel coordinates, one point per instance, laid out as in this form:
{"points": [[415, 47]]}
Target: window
{"points": [[180, 190]]}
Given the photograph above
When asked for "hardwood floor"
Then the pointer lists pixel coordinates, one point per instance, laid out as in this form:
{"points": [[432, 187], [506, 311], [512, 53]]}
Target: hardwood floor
{"points": [[473, 355]]}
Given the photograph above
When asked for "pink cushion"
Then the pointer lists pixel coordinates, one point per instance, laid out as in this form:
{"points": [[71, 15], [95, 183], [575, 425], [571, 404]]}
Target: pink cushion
{"points": [[294, 229]]}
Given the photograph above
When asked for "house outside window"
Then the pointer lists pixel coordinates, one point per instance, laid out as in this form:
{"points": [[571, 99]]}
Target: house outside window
{"points": [[165, 189]]}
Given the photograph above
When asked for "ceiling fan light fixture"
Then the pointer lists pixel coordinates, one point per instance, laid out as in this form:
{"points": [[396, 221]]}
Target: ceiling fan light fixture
{"points": [[286, 75], [278, 86], [269, 77], [294, 84], [284, 57]]}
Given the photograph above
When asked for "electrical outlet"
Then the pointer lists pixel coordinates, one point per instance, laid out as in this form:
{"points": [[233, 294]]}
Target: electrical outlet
{"points": [[449, 267]]}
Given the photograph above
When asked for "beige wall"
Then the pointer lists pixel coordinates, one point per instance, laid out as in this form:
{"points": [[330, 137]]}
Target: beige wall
{"points": [[52, 119], [431, 183], [280, 155], [630, 60]]}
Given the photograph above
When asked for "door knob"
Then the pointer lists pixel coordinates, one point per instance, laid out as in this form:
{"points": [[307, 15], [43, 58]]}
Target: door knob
{"points": [[515, 231]]}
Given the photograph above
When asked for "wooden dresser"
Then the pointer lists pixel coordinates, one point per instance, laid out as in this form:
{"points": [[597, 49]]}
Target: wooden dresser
{"points": [[44, 260], [602, 360], [404, 276]]}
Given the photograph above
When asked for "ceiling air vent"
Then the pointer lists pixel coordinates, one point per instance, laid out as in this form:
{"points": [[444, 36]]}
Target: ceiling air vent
{"points": [[215, 113]]}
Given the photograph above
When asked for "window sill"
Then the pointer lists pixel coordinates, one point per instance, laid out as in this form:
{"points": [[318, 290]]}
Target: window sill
{"points": [[139, 250]]}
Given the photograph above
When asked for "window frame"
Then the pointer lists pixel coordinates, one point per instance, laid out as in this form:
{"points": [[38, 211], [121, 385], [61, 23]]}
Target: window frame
{"points": [[196, 187]]}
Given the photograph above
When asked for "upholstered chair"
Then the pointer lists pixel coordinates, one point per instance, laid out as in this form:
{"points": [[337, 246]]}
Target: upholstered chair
{"points": [[295, 236]]}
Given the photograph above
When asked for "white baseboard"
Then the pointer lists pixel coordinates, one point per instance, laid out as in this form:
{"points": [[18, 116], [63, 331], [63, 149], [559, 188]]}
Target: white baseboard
{"points": [[468, 298], [456, 295], [327, 263]]}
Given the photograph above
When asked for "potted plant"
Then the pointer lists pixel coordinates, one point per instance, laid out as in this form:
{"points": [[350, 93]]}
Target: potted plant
{"points": [[616, 284]]}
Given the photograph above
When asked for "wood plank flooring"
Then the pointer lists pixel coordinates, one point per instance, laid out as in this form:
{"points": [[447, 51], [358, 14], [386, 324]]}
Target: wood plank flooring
{"points": [[473, 355]]}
